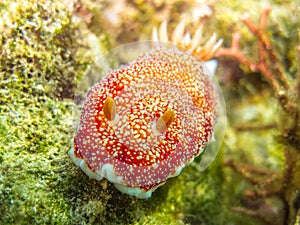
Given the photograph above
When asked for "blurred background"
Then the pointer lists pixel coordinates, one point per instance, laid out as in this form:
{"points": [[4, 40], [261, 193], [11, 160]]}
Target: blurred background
{"points": [[47, 47]]}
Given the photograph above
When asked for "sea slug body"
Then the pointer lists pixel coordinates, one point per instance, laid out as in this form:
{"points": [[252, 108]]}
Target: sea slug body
{"points": [[144, 122]]}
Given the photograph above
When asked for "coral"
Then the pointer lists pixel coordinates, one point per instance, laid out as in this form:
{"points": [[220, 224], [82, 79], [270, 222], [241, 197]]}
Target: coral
{"points": [[273, 192], [46, 46], [266, 53]]}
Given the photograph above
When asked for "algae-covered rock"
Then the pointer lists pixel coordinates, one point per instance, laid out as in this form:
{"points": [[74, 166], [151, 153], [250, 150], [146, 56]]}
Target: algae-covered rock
{"points": [[42, 58], [39, 68], [48, 46]]}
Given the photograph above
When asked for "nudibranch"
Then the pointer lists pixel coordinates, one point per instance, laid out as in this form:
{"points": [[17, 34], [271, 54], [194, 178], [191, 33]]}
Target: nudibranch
{"points": [[144, 122], [186, 41]]}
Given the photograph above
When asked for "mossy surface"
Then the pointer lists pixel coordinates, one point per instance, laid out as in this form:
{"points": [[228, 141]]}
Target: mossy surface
{"points": [[40, 65], [38, 71], [194, 197], [46, 48]]}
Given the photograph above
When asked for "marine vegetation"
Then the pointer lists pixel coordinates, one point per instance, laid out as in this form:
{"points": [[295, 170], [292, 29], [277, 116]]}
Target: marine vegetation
{"points": [[273, 196], [47, 46]]}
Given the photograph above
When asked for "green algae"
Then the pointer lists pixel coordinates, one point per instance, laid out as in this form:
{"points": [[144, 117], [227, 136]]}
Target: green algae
{"points": [[41, 62], [37, 62], [40, 66], [194, 197]]}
